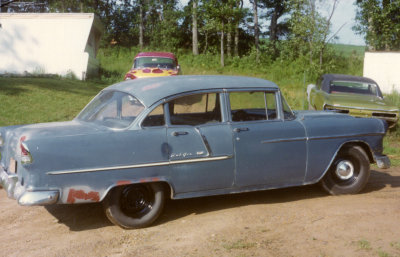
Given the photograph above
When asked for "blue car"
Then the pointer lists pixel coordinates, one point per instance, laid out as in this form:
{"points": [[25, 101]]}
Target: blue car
{"points": [[140, 142]]}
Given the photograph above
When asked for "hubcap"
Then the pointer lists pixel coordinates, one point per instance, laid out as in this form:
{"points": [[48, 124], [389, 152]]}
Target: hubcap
{"points": [[136, 201], [344, 170]]}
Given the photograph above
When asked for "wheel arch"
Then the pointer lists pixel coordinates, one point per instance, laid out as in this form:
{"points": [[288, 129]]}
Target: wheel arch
{"points": [[169, 190], [354, 177], [364, 146]]}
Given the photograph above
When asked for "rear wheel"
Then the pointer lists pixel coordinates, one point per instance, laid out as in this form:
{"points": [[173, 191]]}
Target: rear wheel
{"points": [[348, 173], [135, 206]]}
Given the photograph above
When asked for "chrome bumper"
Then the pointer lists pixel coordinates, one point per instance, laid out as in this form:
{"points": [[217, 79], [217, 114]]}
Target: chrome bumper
{"points": [[382, 161], [16, 191]]}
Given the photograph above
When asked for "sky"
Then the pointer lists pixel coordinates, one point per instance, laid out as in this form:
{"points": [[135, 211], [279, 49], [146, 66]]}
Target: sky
{"points": [[344, 16]]}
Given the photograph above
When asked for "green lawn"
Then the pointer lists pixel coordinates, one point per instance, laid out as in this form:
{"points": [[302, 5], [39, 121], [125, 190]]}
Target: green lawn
{"points": [[33, 100]]}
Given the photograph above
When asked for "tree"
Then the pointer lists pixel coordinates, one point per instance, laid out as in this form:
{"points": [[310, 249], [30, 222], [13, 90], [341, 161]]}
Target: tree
{"points": [[309, 30], [275, 10], [256, 29], [218, 14], [195, 43], [379, 22]]}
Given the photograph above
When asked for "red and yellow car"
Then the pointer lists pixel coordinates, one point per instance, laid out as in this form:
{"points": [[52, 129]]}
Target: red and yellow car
{"points": [[153, 64]]}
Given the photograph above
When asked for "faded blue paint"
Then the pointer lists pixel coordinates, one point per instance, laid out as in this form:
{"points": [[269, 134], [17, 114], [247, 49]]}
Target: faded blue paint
{"points": [[83, 161]]}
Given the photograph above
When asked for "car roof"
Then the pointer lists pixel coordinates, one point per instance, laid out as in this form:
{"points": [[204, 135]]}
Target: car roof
{"points": [[156, 54], [151, 90], [330, 77], [327, 78]]}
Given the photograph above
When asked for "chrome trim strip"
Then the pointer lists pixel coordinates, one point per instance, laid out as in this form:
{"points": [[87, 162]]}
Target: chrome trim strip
{"points": [[362, 108], [284, 140], [280, 140], [345, 136], [143, 165]]}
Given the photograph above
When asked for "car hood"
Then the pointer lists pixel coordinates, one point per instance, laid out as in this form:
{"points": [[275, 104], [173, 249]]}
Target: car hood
{"points": [[152, 72], [360, 101]]}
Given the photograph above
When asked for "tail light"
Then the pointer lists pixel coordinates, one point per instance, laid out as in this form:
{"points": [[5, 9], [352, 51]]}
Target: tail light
{"points": [[26, 157]]}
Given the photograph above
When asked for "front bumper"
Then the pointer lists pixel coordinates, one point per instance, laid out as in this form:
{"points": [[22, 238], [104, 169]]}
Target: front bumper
{"points": [[382, 161], [16, 191]]}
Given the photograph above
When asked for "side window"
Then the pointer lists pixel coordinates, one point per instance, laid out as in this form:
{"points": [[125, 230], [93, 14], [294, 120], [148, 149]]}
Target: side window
{"points": [[287, 112], [155, 117], [246, 106], [195, 109]]}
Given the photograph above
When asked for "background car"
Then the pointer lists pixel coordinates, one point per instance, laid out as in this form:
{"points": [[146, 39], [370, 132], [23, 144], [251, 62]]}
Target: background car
{"points": [[356, 96], [139, 142], [153, 64]]}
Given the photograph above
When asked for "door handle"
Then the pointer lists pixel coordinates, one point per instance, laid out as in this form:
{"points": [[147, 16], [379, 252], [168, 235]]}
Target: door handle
{"points": [[179, 133], [240, 129]]}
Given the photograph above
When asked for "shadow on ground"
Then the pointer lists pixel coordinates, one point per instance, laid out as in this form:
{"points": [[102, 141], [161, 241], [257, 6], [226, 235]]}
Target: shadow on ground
{"points": [[91, 216]]}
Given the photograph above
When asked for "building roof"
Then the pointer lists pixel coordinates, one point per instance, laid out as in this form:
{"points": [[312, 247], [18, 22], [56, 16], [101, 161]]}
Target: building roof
{"points": [[151, 90]]}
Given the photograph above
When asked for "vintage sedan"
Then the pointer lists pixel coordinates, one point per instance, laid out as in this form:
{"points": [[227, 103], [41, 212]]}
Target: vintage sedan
{"points": [[153, 64], [139, 142], [356, 96]]}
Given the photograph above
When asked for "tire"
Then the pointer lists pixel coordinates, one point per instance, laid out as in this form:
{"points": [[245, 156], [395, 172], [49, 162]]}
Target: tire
{"points": [[135, 206], [348, 173]]}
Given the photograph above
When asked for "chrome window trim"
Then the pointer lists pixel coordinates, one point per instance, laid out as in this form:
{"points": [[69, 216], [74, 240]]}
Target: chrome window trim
{"points": [[142, 165]]}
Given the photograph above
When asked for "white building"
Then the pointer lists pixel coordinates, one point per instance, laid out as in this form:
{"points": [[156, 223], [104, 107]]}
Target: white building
{"points": [[384, 68], [49, 43]]}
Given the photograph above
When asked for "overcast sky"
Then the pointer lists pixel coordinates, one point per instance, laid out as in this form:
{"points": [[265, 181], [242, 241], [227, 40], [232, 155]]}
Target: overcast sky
{"points": [[344, 15]]}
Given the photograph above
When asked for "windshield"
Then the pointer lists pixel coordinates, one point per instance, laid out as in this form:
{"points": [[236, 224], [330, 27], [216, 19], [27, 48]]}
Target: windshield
{"points": [[112, 109], [154, 62], [354, 87]]}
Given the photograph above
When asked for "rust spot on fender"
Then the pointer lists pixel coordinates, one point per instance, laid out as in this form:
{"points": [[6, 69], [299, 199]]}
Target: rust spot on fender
{"points": [[123, 182], [155, 179], [82, 195], [143, 180]]}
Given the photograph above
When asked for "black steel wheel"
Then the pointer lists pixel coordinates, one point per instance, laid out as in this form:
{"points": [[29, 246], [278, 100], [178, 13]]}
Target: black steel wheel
{"points": [[348, 173], [135, 206]]}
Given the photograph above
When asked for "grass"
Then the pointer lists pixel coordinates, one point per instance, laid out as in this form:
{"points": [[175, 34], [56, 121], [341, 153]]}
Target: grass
{"points": [[238, 245], [364, 244], [348, 50], [34, 100]]}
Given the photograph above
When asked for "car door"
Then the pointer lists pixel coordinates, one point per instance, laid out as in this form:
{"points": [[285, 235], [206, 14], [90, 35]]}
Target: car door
{"points": [[270, 145], [200, 144]]}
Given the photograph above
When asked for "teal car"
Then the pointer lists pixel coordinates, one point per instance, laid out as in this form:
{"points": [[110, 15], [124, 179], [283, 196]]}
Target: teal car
{"points": [[356, 96]]}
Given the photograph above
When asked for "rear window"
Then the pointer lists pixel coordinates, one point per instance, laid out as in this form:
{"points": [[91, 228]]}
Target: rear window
{"points": [[154, 62], [354, 87], [112, 109]]}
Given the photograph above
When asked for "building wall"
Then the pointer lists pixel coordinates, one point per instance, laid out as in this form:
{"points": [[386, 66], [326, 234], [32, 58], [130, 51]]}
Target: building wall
{"points": [[384, 68], [49, 43]]}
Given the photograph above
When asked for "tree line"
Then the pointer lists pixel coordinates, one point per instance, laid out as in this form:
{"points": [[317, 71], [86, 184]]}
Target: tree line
{"points": [[295, 28]]}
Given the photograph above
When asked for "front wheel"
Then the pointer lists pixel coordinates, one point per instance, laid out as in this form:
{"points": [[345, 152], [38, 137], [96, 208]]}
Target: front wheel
{"points": [[349, 172], [135, 206]]}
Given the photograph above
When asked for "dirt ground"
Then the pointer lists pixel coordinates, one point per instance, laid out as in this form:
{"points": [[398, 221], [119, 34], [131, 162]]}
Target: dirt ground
{"points": [[301, 221]]}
